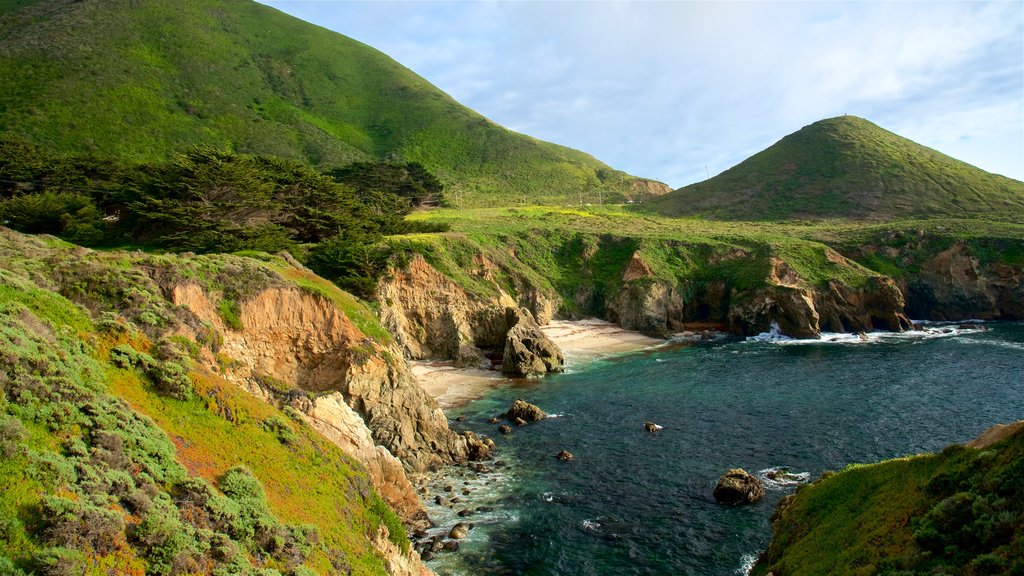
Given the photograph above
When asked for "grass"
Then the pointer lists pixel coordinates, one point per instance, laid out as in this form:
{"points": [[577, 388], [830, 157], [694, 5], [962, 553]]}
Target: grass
{"points": [[59, 388], [902, 517], [846, 167], [140, 84]]}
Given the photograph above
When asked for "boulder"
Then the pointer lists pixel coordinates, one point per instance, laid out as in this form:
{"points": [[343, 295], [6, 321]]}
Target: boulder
{"points": [[652, 427], [505, 429], [528, 351], [525, 411], [564, 455], [459, 531], [737, 486]]}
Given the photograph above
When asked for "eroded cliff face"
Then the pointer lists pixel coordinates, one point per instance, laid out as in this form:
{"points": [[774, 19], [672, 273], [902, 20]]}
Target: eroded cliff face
{"points": [[431, 316], [294, 342], [656, 307], [955, 285]]}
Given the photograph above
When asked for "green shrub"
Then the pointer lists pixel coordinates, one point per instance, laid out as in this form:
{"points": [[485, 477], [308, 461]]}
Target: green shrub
{"points": [[280, 428], [7, 568], [59, 562], [231, 313], [77, 524], [12, 436]]}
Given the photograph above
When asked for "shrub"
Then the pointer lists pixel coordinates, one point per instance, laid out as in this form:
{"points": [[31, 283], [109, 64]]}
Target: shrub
{"points": [[76, 524], [59, 562], [279, 427], [12, 436]]}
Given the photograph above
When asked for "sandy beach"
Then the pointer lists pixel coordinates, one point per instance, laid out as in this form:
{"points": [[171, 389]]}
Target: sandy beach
{"points": [[580, 341]]}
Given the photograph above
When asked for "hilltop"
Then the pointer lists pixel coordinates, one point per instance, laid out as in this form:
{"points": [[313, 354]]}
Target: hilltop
{"points": [[845, 167], [140, 80]]}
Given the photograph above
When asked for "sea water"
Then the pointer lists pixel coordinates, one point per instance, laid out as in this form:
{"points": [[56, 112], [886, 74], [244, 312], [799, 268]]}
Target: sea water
{"points": [[632, 502]]}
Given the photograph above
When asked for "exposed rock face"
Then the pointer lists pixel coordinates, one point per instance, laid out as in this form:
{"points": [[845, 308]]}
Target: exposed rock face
{"points": [[305, 341], [397, 563], [994, 434], [655, 307], [337, 422], [528, 351], [433, 317], [955, 286], [805, 313], [523, 410], [737, 486]]}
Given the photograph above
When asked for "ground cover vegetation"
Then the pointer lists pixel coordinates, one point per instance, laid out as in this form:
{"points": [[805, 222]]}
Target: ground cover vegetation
{"points": [[957, 512], [122, 454], [846, 167], [565, 250], [210, 200]]}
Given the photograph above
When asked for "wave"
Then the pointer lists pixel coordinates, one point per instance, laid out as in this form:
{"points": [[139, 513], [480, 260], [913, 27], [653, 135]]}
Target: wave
{"points": [[781, 478], [927, 332], [746, 564]]}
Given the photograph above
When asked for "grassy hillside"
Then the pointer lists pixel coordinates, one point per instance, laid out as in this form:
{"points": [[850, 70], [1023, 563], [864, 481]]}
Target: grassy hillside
{"points": [[846, 167], [958, 512], [140, 79], [120, 453]]}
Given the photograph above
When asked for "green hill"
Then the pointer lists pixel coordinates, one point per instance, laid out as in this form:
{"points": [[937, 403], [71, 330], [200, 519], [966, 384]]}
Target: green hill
{"points": [[845, 167], [141, 79]]}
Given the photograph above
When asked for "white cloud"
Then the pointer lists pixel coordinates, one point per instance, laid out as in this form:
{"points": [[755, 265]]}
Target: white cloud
{"points": [[661, 89]]}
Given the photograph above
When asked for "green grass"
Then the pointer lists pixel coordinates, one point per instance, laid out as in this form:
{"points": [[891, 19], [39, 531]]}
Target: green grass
{"points": [[141, 83], [901, 517], [61, 393], [847, 167]]}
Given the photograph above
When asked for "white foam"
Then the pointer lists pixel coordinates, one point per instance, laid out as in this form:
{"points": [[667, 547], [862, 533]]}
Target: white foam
{"points": [[787, 480], [929, 331], [591, 525], [746, 564], [774, 334]]}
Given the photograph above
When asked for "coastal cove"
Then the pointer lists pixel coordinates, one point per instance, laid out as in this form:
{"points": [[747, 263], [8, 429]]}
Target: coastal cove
{"points": [[631, 502]]}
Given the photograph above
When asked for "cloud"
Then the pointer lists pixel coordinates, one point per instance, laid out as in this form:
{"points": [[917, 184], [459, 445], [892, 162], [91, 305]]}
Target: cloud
{"points": [[661, 89]]}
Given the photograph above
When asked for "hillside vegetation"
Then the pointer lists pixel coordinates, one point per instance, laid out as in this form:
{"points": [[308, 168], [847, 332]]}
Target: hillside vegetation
{"points": [[846, 167], [958, 512], [141, 79], [121, 452]]}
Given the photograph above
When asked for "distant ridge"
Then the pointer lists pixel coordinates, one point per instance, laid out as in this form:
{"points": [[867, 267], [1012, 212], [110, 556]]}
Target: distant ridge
{"points": [[142, 79], [845, 167]]}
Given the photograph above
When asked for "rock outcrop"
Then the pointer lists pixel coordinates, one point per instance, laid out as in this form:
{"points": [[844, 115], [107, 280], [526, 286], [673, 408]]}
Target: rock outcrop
{"points": [[523, 410], [432, 316], [955, 285], [737, 486], [528, 351]]}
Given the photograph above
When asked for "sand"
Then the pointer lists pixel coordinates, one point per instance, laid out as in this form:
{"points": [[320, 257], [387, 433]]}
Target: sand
{"points": [[580, 341]]}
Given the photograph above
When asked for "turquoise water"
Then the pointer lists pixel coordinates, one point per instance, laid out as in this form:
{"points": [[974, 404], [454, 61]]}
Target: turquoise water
{"points": [[635, 503]]}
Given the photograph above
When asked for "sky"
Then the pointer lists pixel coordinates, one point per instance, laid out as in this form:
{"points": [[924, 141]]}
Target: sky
{"points": [[677, 91]]}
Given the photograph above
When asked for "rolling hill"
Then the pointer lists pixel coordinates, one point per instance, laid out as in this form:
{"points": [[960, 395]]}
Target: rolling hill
{"points": [[845, 167], [142, 79]]}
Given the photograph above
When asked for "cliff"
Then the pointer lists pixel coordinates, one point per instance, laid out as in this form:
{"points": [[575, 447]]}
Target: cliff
{"points": [[194, 448], [432, 316]]}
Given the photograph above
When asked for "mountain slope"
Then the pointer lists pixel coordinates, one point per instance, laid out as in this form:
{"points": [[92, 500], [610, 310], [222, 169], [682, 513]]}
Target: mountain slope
{"points": [[845, 167], [140, 79]]}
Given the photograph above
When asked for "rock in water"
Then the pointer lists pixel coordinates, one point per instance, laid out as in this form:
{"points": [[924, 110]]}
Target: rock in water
{"points": [[652, 427], [505, 429], [459, 531], [525, 411], [528, 351], [564, 455], [737, 486]]}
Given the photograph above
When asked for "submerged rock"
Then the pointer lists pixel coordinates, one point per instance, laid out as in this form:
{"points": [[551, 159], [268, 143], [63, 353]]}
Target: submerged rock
{"points": [[525, 411], [737, 486], [505, 429], [564, 455]]}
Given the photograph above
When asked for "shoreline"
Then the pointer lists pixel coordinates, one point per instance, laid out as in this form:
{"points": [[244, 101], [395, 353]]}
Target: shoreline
{"points": [[579, 340]]}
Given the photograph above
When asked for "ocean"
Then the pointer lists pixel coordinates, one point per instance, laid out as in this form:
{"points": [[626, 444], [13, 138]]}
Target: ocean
{"points": [[633, 502]]}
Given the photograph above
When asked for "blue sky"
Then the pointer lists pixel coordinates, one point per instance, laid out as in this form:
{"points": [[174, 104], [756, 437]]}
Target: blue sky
{"points": [[663, 89]]}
